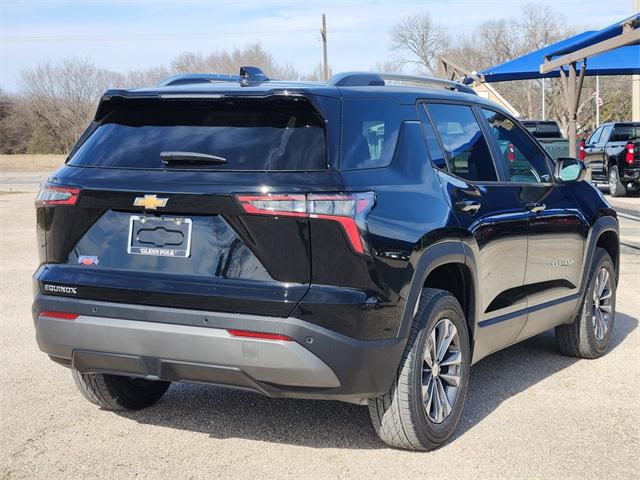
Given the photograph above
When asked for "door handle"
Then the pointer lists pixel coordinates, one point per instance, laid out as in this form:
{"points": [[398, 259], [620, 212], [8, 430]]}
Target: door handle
{"points": [[468, 206], [536, 207]]}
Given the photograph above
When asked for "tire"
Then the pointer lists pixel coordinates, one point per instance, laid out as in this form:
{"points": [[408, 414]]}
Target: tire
{"points": [[115, 392], [400, 417], [616, 187], [582, 338]]}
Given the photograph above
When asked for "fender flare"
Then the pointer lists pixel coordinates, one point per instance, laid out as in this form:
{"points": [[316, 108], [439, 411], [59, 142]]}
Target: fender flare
{"points": [[602, 225], [448, 251]]}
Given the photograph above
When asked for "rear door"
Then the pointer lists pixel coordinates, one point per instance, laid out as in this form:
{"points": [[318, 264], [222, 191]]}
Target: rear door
{"points": [[190, 204], [492, 212], [556, 227], [595, 153]]}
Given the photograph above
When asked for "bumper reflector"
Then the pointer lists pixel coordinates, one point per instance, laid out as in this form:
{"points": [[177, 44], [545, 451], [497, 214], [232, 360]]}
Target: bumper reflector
{"points": [[260, 335], [59, 315]]}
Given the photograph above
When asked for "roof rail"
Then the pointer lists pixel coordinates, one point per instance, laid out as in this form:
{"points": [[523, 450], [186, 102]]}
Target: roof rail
{"points": [[248, 75], [364, 79], [187, 78]]}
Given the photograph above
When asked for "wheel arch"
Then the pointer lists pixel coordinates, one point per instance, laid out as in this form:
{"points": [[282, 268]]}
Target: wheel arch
{"points": [[449, 266], [604, 234], [609, 240]]}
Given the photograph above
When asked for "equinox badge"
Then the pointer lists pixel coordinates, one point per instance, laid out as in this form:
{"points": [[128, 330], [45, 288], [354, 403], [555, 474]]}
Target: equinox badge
{"points": [[150, 202]]}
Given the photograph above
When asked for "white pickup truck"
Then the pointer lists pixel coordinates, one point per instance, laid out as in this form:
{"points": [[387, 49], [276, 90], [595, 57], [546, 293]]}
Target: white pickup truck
{"points": [[549, 135]]}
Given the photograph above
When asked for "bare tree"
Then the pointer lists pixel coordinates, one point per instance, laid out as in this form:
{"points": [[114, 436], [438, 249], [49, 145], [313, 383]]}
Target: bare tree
{"points": [[16, 129], [62, 98], [145, 78], [500, 40], [419, 41], [541, 26], [317, 75], [388, 66], [230, 62]]}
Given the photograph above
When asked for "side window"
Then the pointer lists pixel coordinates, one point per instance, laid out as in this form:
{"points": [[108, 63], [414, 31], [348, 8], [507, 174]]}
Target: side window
{"points": [[606, 132], [369, 132], [467, 151], [595, 136], [435, 151], [524, 160]]}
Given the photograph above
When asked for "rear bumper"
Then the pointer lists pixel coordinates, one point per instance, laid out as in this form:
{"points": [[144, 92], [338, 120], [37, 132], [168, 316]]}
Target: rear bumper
{"points": [[164, 343]]}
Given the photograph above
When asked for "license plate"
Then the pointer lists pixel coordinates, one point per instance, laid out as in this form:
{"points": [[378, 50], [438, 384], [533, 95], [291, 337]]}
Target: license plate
{"points": [[159, 236]]}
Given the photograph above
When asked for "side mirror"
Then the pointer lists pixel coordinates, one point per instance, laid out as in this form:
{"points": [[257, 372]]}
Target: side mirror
{"points": [[570, 170]]}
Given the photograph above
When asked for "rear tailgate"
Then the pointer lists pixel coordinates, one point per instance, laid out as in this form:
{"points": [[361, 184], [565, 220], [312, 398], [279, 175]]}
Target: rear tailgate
{"points": [[144, 232]]}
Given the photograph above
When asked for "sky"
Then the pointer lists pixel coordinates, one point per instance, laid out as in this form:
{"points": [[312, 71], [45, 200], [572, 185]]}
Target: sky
{"points": [[130, 34]]}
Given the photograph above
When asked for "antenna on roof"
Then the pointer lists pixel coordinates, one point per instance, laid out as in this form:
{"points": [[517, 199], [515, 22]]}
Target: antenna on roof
{"points": [[249, 75]]}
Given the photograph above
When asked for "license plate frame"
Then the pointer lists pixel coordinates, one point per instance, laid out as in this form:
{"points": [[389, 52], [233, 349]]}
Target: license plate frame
{"points": [[181, 224]]}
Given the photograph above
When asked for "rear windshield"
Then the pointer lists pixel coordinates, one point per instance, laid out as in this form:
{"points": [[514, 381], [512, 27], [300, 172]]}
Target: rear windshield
{"points": [[625, 133], [543, 130], [247, 135]]}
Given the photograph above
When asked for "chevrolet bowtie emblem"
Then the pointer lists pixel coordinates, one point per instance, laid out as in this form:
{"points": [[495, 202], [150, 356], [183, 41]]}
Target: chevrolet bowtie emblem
{"points": [[150, 202]]}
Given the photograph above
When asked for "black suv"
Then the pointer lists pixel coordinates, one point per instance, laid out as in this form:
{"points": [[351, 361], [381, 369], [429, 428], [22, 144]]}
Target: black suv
{"points": [[354, 240]]}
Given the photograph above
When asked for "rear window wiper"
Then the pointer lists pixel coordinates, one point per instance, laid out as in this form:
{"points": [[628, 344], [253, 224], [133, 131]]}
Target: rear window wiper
{"points": [[190, 158]]}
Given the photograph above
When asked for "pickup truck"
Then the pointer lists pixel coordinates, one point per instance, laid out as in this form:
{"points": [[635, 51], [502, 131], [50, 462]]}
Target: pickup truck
{"points": [[550, 137], [612, 153]]}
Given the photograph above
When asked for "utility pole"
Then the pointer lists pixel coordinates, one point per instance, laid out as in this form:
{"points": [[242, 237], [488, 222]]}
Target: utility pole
{"points": [[635, 81], [544, 116], [323, 33], [597, 101]]}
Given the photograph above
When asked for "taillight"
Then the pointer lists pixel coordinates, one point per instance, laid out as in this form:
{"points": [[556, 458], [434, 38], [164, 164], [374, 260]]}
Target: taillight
{"points": [[50, 195], [282, 205], [581, 154], [511, 153], [630, 153], [58, 315], [349, 210], [260, 335]]}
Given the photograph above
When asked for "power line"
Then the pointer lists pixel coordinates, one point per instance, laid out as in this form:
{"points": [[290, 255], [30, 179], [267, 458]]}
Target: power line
{"points": [[136, 36]]}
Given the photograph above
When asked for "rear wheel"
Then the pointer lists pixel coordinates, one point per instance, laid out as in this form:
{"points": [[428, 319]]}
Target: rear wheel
{"points": [[589, 335], [115, 392], [616, 187], [425, 402]]}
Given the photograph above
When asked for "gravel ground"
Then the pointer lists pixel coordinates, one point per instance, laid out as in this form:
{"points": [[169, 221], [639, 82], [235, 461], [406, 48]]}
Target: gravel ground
{"points": [[530, 413]]}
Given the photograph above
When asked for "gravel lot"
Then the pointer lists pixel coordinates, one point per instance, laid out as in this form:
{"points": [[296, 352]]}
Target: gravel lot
{"points": [[530, 413]]}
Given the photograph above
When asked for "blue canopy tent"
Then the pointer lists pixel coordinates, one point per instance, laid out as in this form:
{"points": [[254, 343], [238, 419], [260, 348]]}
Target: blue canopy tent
{"points": [[614, 50], [622, 61]]}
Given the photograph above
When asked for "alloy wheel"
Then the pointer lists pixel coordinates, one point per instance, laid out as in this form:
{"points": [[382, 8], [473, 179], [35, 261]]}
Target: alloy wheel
{"points": [[602, 298], [441, 371]]}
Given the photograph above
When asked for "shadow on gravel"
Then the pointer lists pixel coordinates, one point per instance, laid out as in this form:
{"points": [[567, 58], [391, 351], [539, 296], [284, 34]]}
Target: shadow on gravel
{"points": [[223, 413], [506, 373]]}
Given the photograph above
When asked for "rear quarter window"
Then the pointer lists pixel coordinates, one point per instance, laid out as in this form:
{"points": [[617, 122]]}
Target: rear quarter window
{"points": [[370, 132]]}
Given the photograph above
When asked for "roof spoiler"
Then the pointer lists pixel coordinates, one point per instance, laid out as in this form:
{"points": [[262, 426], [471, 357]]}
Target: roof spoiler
{"points": [[372, 79], [248, 76]]}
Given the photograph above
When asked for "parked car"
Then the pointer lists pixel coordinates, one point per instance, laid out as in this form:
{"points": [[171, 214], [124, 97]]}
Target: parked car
{"points": [[349, 240], [548, 133], [612, 153]]}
